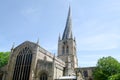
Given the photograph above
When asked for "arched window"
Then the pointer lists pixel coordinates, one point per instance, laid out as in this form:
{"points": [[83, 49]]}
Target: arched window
{"points": [[63, 50], [43, 76], [85, 73], [67, 49], [23, 65]]}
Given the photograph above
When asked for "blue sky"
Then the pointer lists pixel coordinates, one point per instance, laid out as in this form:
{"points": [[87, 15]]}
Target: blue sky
{"points": [[96, 25]]}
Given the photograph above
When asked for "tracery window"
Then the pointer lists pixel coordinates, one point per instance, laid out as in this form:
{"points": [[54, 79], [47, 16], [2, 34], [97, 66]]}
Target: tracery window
{"points": [[43, 76], [23, 65]]}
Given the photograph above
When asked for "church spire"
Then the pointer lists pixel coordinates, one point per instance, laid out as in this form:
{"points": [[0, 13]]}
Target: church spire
{"points": [[68, 28]]}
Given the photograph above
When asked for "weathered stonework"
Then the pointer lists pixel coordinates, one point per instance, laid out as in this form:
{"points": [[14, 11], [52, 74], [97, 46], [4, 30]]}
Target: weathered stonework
{"points": [[86, 72], [42, 61]]}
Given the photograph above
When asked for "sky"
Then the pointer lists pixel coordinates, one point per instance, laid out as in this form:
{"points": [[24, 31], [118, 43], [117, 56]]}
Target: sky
{"points": [[95, 24]]}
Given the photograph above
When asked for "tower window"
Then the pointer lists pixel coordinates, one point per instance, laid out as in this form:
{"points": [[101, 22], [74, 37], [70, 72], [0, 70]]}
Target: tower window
{"points": [[67, 49], [63, 50]]}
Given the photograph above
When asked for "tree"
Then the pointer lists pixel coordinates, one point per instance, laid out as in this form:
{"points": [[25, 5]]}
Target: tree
{"points": [[4, 56], [106, 67], [114, 77]]}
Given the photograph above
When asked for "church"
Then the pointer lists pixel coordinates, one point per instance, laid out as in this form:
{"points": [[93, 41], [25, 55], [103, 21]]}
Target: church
{"points": [[29, 61]]}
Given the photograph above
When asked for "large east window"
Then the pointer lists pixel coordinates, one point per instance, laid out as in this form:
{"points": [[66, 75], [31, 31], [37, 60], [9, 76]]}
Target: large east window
{"points": [[23, 65]]}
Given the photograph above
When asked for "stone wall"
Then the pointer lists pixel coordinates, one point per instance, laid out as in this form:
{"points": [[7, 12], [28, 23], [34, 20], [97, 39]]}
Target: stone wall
{"points": [[54, 65], [87, 72]]}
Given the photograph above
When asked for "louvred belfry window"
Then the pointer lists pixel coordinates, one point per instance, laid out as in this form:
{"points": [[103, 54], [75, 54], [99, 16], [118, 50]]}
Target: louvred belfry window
{"points": [[23, 65], [67, 49]]}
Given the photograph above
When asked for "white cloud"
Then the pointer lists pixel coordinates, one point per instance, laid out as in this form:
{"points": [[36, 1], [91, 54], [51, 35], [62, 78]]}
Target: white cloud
{"points": [[97, 56], [99, 42], [91, 59]]}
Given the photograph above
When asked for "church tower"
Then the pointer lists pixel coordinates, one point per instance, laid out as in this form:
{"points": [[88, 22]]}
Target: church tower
{"points": [[67, 48]]}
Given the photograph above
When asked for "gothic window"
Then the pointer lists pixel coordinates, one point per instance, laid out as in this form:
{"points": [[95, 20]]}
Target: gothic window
{"points": [[85, 73], [63, 50], [43, 76], [23, 65], [67, 49]]}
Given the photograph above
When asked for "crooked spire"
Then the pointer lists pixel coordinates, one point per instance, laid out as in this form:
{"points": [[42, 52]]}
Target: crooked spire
{"points": [[68, 28]]}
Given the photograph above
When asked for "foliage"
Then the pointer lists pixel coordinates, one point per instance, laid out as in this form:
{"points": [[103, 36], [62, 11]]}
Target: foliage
{"points": [[4, 56], [114, 77], [106, 67]]}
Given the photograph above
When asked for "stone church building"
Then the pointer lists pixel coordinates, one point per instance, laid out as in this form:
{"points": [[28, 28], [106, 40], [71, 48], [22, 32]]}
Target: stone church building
{"points": [[29, 61]]}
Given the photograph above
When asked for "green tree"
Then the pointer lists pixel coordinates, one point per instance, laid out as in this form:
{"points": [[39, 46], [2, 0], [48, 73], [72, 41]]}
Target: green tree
{"points": [[114, 77], [4, 56], [106, 67]]}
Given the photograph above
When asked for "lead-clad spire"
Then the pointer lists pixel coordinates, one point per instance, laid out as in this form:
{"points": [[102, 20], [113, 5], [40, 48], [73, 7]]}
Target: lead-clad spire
{"points": [[68, 28]]}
